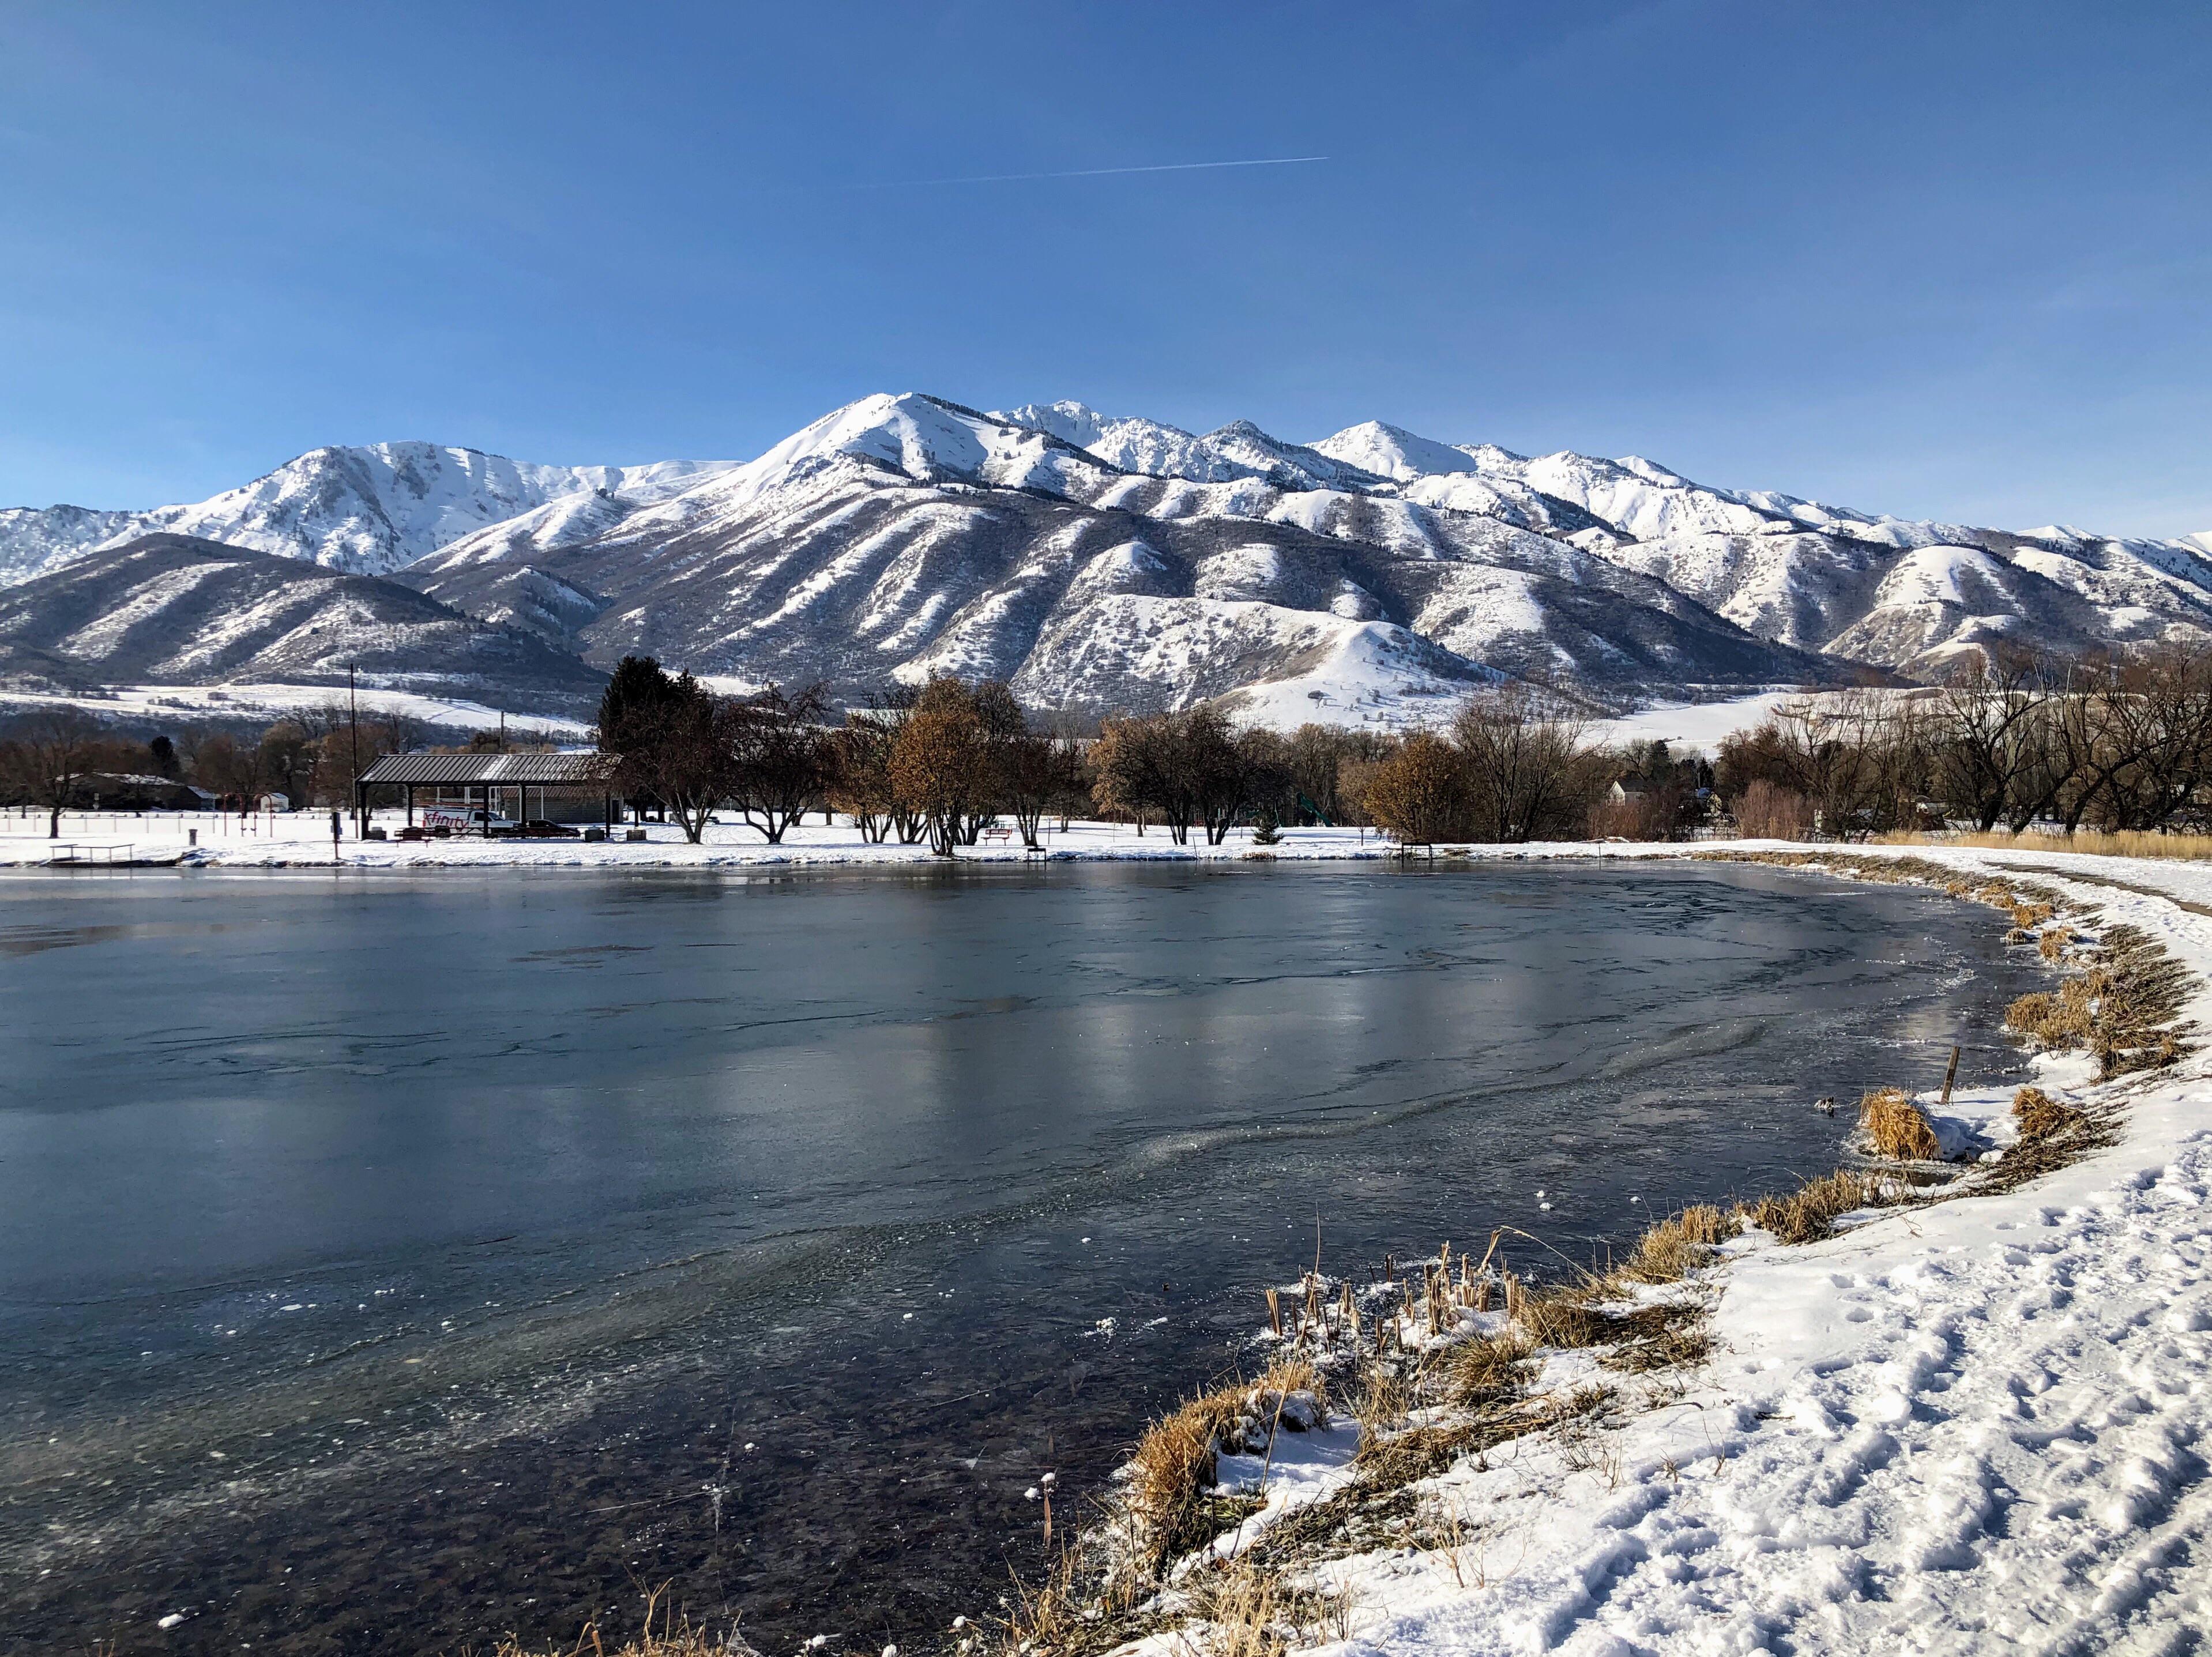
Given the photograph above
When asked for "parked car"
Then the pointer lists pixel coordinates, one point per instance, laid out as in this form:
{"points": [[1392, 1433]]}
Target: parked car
{"points": [[540, 828], [476, 821]]}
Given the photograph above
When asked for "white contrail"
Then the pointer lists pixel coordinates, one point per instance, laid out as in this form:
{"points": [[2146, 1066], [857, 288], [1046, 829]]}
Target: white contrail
{"points": [[1092, 172]]}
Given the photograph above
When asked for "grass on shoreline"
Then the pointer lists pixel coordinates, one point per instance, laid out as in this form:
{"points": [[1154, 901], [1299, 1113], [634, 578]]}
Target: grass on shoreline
{"points": [[2086, 842]]}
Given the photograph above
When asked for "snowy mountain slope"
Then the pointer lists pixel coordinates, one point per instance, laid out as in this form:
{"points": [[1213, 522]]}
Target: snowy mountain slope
{"points": [[366, 509], [1879, 589], [1790, 570], [173, 609], [1904, 608], [1239, 450], [902, 537], [33, 540], [1129, 650]]}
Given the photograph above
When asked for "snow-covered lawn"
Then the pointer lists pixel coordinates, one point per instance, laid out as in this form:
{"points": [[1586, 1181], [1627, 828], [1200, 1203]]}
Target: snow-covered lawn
{"points": [[283, 840]]}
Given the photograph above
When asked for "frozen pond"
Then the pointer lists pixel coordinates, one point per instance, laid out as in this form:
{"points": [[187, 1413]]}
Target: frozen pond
{"points": [[391, 1261]]}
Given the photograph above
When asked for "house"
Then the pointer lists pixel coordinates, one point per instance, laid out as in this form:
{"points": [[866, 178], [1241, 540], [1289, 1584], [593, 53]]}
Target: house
{"points": [[120, 791]]}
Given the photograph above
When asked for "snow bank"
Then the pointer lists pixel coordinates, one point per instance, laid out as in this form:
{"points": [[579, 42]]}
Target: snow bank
{"points": [[303, 839]]}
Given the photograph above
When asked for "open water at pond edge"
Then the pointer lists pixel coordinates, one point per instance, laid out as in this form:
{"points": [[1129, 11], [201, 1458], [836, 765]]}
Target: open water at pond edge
{"points": [[388, 1262]]}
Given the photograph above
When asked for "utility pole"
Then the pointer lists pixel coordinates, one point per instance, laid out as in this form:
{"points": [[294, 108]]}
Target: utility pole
{"points": [[353, 717]]}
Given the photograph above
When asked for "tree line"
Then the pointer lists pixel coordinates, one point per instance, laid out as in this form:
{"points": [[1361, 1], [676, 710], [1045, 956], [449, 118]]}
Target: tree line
{"points": [[59, 758], [2007, 739], [941, 761]]}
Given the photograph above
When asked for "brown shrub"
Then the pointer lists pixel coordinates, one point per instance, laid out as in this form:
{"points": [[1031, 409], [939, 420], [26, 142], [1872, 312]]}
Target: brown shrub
{"points": [[1764, 811], [1896, 1128], [1420, 795]]}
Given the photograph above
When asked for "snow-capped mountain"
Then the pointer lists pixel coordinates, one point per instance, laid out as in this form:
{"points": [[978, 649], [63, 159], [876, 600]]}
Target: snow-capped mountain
{"points": [[1105, 564], [904, 536], [171, 610], [366, 510]]}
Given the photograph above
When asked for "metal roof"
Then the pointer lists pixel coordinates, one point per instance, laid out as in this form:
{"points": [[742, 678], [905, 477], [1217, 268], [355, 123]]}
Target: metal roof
{"points": [[551, 770]]}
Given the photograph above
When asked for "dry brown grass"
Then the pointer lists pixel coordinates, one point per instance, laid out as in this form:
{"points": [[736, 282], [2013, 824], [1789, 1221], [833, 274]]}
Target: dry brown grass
{"points": [[2122, 1009], [674, 1637], [1680, 1244], [1808, 1213], [682, 1641], [1247, 1610], [2051, 945], [1896, 1128], [1171, 1472], [1576, 1317], [2084, 842], [2042, 1117], [1681, 1343], [2061, 1019], [1059, 1617], [1489, 1371]]}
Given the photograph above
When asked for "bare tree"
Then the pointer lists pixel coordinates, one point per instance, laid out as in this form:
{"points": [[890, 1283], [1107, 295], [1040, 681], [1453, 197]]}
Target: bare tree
{"points": [[1036, 771], [1856, 758], [1314, 756], [1989, 733], [778, 756], [1532, 770], [884, 715], [859, 775], [52, 755], [232, 770], [2166, 695], [1270, 784], [1213, 769], [1136, 762]]}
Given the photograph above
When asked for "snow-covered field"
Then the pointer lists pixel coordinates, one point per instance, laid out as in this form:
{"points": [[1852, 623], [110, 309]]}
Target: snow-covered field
{"points": [[265, 703], [1702, 725]]}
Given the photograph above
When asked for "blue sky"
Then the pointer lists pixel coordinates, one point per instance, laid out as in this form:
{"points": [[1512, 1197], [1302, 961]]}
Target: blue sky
{"points": [[1946, 261]]}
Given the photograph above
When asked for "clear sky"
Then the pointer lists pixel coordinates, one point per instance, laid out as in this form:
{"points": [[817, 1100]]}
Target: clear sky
{"points": [[1945, 260]]}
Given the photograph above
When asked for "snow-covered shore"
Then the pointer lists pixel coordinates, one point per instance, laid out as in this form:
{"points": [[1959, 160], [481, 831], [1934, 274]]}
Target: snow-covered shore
{"points": [[303, 839], [1975, 1426]]}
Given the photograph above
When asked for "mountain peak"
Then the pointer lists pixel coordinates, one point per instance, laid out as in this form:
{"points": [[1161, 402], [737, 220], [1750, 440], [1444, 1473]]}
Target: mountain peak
{"points": [[1392, 451]]}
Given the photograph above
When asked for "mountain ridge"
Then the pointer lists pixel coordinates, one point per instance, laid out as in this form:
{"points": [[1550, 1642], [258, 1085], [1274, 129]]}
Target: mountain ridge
{"points": [[1100, 562]]}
